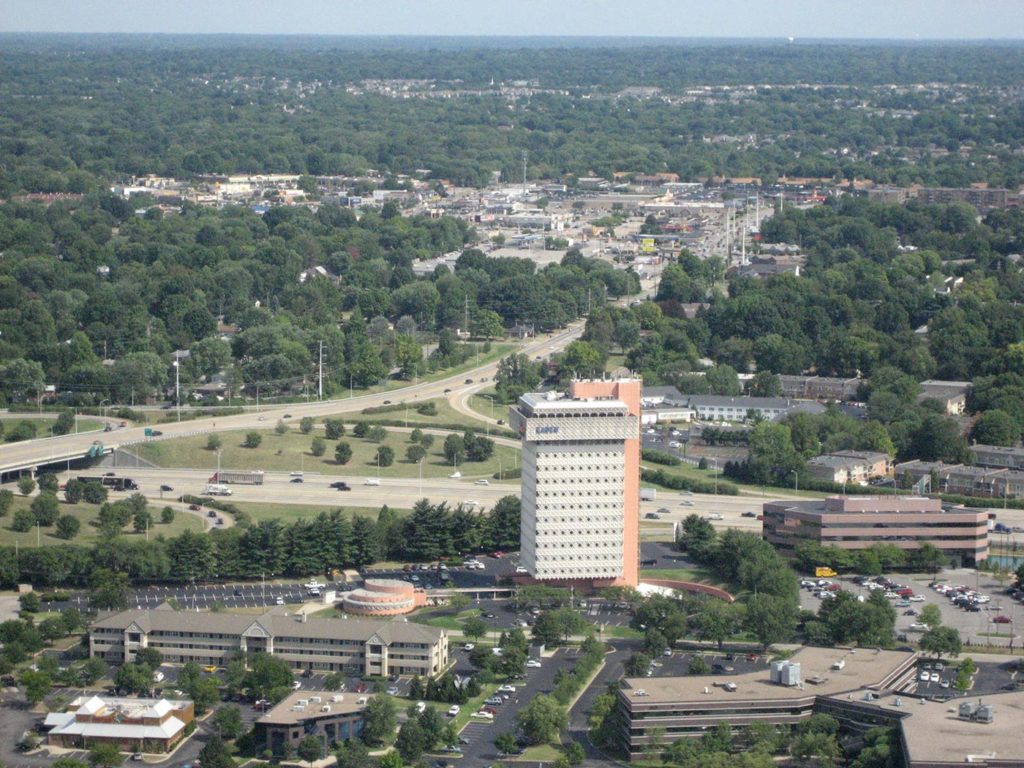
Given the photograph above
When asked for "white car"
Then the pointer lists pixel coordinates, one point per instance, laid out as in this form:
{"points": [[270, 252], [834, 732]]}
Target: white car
{"points": [[279, 600], [935, 677], [468, 647], [158, 676], [453, 710], [535, 663], [507, 689], [296, 685], [916, 598], [925, 676], [471, 503], [484, 715], [421, 706], [482, 481]]}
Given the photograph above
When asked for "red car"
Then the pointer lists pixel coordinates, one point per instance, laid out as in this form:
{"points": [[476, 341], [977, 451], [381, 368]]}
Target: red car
{"points": [[194, 507], [1001, 619], [498, 554], [361, 688]]}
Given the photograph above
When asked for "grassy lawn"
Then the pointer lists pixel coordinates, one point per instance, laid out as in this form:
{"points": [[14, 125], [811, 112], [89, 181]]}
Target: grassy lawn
{"points": [[289, 512], [698, 575], [623, 633], [44, 422], [445, 415], [87, 533], [290, 451], [541, 753], [445, 622], [693, 473]]}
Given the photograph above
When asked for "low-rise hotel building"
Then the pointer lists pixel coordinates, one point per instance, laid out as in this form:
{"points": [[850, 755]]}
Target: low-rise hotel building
{"points": [[351, 646]]}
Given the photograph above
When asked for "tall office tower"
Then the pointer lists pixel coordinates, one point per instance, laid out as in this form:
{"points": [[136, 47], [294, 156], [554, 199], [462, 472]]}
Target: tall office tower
{"points": [[581, 483]]}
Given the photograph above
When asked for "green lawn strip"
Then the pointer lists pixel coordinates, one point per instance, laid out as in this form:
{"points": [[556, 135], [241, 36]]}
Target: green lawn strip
{"points": [[622, 633], [259, 510], [44, 422], [291, 452], [697, 575], [445, 622], [690, 471], [539, 753], [473, 705], [87, 532]]}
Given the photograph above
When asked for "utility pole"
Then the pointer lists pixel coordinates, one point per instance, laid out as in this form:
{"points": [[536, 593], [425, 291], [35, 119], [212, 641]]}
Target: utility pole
{"points": [[525, 153], [320, 383], [177, 385], [466, 313]]}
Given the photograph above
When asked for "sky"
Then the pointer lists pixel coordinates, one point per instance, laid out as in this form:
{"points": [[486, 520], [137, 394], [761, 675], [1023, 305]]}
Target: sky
{"points": [[889, 19]]}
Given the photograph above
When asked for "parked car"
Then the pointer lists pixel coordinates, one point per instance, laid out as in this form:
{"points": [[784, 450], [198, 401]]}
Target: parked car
{"points": [[453, 710], [1000, 619]]}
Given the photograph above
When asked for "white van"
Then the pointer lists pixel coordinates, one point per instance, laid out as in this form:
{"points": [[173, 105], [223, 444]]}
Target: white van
{"points": [[372, 481], [216, 489]]}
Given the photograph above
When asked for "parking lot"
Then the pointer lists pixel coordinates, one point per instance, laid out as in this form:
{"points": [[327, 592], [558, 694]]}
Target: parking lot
{"points": [[975, 627]]}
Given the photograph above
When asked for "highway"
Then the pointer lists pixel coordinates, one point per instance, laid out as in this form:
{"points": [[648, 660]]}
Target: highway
{"points": [[33, 453]]}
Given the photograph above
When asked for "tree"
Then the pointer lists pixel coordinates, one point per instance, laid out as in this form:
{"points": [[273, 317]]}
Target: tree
{"points": [[454, 449], [931, 615], [770, 619], [334, 429], [379, 720], [142, 520], [996, 427], [26, 484], [306, 424], [581, 360], [474, 627], [575, 753], [48, 483], [343, 453], [411, 740], [215, 754], [385, 456], [765, 384], [553, 627], [94, 492], [228, 722], [167, 515], [45, 508], [74, 489], [772, 455], [105, 756], [637, 664], [109, 589], [821, 749], [253, 440], [941, 640], [353, 753], [718, 621], [281, 428], [505, 743], [134, 678], [37, 685], [515, 376], [542, 720], [390, 760], [23, 520], [6, 499], [67, 527], [318, 447], [310, 749], [213, 442], [267, 675], [414, 453]]}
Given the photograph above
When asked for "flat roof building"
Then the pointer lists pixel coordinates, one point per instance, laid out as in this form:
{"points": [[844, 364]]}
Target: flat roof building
{"points": [[581, 483], [673, 708], [998, 456], [353, 646], [860, 522], [330, 716], [726, 408], [131, 725]]}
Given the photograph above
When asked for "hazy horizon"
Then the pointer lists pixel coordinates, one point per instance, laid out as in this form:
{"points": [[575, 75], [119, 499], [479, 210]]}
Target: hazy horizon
{"points": [[881, 20]]}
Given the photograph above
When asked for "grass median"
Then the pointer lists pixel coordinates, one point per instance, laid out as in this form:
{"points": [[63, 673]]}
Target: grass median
{"points": [[291, 452]]}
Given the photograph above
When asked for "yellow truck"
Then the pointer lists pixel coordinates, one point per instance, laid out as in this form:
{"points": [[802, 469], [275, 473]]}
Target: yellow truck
{"points": [[824, 572]]}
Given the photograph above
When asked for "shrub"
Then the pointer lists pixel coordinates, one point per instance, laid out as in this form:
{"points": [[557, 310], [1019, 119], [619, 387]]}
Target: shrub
{"points": [[253, 440], [318, 447], [385, 456], [343, 453], [334, 429], [213, 442], [68, 527]]}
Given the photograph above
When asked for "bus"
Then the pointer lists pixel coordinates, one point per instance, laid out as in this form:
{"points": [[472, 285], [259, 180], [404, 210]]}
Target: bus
{"points": [[113, 482]]}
